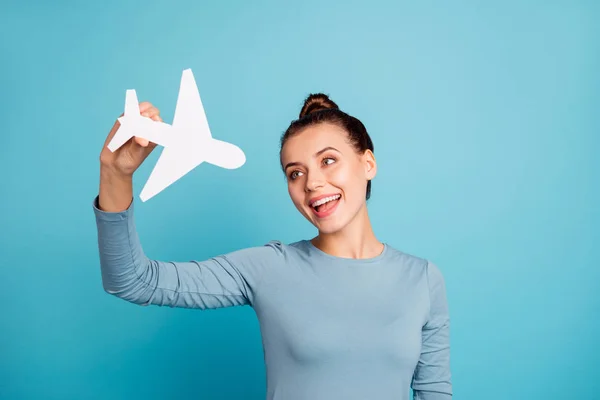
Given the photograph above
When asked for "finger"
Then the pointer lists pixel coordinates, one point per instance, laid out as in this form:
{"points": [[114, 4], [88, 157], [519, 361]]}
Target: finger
{"points": [[144, 106], [141, 152], [144, 142], [146, 109], [141, 141], [151, 112]]}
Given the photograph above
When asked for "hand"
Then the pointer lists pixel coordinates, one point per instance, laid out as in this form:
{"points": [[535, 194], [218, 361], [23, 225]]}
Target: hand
{"points": [[126, 159]]}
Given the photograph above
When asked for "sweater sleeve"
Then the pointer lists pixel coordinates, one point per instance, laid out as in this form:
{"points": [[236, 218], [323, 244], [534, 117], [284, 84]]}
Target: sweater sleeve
{"points": [[221, 281], [432, 377]]}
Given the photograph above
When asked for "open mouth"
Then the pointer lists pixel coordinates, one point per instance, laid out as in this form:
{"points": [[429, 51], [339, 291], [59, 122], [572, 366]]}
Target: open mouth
{"points": [[326, 205]]}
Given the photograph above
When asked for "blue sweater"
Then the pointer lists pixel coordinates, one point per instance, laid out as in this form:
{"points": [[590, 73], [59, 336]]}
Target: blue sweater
{"points": [[332, 328]]}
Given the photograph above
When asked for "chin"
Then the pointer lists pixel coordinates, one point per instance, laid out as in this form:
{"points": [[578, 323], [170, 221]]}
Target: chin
{"points": [[336, 222], [330, 225], [328, 228]]}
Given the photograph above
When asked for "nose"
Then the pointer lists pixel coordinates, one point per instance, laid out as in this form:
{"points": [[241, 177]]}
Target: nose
{"points": [[314, 181]]}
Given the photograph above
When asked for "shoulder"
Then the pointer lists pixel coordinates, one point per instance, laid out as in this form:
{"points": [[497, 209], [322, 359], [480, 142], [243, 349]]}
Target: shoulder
{"points": [[422, 266], [408, 261], [404, 257], [293, 251], [426, 275], [273, 249], [282, 248]]}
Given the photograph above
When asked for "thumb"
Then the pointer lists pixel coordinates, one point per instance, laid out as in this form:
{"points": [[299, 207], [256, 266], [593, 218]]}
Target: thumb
{"points": [[143, 147]]}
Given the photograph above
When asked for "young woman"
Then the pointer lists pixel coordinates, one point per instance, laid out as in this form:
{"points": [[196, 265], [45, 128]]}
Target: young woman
{"points": [[343, 315]]}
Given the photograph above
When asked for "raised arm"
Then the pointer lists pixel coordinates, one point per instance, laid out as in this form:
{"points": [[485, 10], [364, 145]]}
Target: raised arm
{"points": [[127, 272], [221, 281], [432, 377]]}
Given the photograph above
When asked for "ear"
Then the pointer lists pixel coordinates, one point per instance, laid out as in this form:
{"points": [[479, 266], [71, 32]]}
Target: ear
{"points": [[370, 164]]}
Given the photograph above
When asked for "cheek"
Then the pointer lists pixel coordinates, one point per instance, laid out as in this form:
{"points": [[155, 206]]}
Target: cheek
{"points": [[347, 178], [295, 193]]}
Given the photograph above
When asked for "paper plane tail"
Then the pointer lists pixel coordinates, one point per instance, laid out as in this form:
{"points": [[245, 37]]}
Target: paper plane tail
{"points": [[132, 109], [123, 134], [132, 106]]}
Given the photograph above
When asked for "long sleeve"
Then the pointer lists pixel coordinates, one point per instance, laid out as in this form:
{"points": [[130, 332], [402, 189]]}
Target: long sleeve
{"points": [[221, 281], [432, 377]]}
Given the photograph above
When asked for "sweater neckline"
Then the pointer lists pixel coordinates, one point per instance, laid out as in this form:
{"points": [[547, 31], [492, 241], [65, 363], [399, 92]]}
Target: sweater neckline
{"points": [[314, 250]]}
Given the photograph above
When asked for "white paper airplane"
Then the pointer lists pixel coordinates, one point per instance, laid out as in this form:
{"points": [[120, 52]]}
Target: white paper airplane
{"points": [[187, 142]]}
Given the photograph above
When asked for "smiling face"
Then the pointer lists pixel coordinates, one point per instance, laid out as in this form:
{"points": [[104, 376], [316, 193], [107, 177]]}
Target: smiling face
{"points": [[327, 178]]}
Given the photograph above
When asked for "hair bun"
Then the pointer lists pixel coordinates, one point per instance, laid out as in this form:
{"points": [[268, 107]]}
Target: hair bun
{"points": [[317, 102]]}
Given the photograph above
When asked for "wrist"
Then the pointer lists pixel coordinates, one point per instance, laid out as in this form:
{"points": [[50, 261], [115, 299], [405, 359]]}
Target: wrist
{"points": [[116, 192], [110, 173]]}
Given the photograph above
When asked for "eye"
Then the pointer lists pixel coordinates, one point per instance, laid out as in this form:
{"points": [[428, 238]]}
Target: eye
{"points": [[328, 160], [294, 174]]}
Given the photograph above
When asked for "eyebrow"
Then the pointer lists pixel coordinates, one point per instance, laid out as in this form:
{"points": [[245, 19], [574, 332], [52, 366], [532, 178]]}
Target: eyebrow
{"points": [[318, 153]]}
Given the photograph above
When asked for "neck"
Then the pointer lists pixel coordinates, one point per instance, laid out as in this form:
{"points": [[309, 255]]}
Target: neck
{"points": [[355, 240]]}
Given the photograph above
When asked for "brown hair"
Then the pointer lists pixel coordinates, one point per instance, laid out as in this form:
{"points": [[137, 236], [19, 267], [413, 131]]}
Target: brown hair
{"points": [[318, 108]]}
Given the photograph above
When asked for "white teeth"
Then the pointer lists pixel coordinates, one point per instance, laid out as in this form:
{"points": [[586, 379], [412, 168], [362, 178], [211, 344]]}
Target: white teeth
{"points": [[325, 200]]}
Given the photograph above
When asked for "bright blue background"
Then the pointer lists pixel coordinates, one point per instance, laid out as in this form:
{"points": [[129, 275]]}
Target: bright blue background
{"points": [[485, 123]]}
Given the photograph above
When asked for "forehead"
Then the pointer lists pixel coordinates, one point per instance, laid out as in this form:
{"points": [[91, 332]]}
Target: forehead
{"points": [[312, 139]]}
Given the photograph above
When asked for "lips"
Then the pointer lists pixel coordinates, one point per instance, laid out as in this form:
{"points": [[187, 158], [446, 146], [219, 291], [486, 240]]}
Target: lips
{"points": [[325, 205], [314, 200]]}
